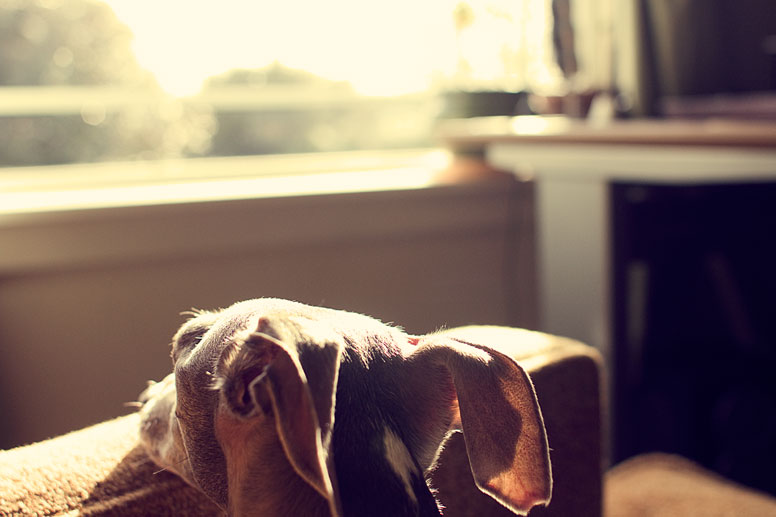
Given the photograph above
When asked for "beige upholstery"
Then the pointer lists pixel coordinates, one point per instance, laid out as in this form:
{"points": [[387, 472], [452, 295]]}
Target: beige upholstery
{"points": [[101, 471], [95, 471], [662, 485]]}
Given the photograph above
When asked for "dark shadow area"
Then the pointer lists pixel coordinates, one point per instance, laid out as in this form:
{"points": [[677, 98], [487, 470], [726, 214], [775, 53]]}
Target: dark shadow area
{"points": [[695, 332]]}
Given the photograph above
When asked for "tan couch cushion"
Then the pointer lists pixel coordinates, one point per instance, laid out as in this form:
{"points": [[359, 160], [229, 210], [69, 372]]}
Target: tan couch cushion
{"points": [[95, 471], [663, 485]]}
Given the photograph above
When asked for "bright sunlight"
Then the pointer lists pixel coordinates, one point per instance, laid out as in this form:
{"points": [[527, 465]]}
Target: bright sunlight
{"points": [[380, 48], [81, 78]]}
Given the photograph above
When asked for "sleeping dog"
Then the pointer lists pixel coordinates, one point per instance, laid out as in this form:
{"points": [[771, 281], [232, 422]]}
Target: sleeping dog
{"points": [[276, 408]]}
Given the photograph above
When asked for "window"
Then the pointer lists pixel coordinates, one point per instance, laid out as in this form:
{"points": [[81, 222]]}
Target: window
{"points": [[127, 80]]}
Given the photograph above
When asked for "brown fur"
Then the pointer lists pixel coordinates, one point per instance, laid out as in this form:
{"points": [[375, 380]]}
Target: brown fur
{"points": [[253, 452]]}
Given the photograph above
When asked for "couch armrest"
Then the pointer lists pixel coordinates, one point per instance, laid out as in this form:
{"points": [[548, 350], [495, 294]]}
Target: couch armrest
{"points": [[101, 470], [567, 378]]}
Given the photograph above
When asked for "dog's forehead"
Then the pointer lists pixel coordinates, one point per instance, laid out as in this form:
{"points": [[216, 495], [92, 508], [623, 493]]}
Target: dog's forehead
{"points": [[215, 329], [296, 322]]}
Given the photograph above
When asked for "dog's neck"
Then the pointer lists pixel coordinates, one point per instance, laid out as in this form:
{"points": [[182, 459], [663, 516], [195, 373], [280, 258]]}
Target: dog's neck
{"points": [[377, 472], [377, 476]]}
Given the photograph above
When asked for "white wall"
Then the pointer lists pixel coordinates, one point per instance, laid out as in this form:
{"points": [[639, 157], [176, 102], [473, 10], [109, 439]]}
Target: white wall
{"points": [[90, 298]]}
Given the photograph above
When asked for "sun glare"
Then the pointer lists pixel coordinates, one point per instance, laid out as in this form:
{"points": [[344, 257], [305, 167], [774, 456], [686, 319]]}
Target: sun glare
{"points": [[380, 48]]}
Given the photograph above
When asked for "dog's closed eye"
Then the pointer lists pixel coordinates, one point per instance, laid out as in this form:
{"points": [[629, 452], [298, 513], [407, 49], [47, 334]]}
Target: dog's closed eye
{"points": [[192, 332]]}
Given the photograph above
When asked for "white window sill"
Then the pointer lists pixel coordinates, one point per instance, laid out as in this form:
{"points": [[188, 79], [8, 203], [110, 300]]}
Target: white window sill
{"points": [[260, 203], [27, 190]]}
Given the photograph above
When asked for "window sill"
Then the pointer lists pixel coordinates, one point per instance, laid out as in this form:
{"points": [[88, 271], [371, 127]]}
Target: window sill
{"points": [[286, 207], [27, 190]]}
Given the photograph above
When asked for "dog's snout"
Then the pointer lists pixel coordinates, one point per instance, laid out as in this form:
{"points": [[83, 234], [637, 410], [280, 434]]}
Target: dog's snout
{"points": [[152, 429], [156, 404], [146, 394]]}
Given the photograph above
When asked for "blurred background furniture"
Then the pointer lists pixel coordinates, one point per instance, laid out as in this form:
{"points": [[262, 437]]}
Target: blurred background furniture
{"points": [[654, 243]]}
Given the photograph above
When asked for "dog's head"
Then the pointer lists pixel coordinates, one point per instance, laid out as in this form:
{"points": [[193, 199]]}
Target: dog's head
{"points": [[278, 408]]}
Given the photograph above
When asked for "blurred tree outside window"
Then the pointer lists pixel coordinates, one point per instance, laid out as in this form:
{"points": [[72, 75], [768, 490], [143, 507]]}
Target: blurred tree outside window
{"points": [[55, 49]]}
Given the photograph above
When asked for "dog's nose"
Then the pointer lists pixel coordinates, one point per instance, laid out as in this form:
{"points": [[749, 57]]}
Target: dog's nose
{"points": [[147, 393]]}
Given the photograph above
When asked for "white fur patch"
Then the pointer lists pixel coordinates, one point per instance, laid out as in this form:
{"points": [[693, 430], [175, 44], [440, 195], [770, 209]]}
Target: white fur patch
{"points": [[400, 460]]}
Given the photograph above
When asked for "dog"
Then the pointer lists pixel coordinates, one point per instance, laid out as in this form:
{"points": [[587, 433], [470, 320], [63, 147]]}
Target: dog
{"points": [[276, 408]]}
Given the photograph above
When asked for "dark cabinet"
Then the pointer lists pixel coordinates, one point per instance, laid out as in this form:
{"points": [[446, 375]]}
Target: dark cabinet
{"points": [[694, 313]]}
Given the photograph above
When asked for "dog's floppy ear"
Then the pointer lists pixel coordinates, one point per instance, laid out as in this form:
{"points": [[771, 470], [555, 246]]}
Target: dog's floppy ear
{"points": [[491, 399], [264, 373]]}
